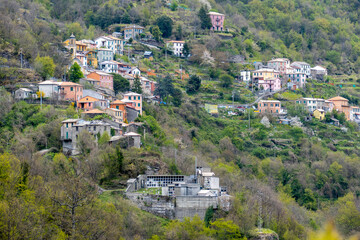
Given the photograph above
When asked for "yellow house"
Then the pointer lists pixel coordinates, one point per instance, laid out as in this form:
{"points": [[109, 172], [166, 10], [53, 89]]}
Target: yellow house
{"points": [[319, 114]]}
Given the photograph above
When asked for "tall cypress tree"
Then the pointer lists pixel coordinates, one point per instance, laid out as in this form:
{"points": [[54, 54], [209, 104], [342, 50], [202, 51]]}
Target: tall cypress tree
{"points": [[137, 85], [204, 18]]}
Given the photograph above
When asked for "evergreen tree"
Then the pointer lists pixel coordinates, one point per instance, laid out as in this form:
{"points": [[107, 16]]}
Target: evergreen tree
{"points": [[204, 18], [75, 73], [165, 25], [186, 50], [137, 85], [156, 33], [193, 84], [179, 33], [121, 84]]}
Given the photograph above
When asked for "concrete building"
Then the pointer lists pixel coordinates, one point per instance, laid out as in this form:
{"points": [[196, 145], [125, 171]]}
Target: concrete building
{"points": [[104, 54], [279, 64], [217, 21], [106, 80], [24, 93], [136, 98], [265, 74], [245, 76], [109, 66], [50, 89], [311, 104], [71, 128], [298, 79], [70, 91], [318, 72], [301, 68], [269, 106], [176, 47], [132, 31], [271, 85], [89, 103]]}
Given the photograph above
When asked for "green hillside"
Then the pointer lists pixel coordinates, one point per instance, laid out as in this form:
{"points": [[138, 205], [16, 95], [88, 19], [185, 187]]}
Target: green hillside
{"points": [[296, 181]]}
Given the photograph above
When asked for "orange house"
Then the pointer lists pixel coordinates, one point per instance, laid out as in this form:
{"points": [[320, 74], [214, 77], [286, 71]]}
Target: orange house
{"points": [[341, 105], [89, 103], [71, 91], [106, 80], [119, 105]]}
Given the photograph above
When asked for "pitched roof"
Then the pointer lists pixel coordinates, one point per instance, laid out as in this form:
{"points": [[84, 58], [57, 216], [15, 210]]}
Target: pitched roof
{"points": [[49, 82], [174, 41], [117, 102], [88, 99], [69, 84], [132, 94], [94, 111], [215, 13], [338, 98]]}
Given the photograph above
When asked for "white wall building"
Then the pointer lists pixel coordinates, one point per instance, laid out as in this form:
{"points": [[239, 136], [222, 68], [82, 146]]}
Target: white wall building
{"points": [[176, 47], [245, 76], [50, 88], [301, 68]]}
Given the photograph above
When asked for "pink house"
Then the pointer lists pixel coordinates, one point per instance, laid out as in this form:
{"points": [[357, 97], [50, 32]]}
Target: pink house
{"points": [[279, 64], [71, 91], [106, 80], [217, 21], [271, 85]]}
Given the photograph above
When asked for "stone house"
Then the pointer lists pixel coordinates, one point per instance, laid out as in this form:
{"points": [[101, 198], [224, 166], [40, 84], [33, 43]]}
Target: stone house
{"points": [[24, 93], [71, 128]]}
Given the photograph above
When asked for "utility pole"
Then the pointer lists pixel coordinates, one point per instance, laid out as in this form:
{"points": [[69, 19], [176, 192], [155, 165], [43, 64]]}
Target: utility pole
{"points": [[249, 118], [195, 169], [180, 71]]}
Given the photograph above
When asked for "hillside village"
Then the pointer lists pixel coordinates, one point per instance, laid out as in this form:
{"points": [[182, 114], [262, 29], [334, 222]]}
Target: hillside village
{"points": [[178, 120]]}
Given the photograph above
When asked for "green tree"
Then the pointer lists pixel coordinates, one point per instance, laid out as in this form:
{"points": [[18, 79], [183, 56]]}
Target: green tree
{"points": [[45, 66], [179, 33], [156, 33], [75, 73], [137, 85], [164, 87], [104, 139], [226, 80], [121, 84], [176, 97], [186, 50], [209, 214], [165, 25], [193, 85], [204, 18]]}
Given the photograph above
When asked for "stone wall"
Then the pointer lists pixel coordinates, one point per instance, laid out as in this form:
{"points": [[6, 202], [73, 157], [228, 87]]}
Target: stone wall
{"points": [[189, 206], [158, 205]]}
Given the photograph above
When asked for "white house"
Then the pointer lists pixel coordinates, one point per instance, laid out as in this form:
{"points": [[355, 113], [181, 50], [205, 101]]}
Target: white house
{"points": [[24, 93], [105, 42], [245, 76], [134, 71], [50, 88], [109, 66], [301, 68], [131, 31], [176, 47], [318, 72]]}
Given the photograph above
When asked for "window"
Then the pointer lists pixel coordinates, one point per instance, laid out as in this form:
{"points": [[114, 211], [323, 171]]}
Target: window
{"points": [[117, 107], [138, 104], [139, 98], [67, 135], [67, 125], [94, 128], [129, 97], [77, 128]]}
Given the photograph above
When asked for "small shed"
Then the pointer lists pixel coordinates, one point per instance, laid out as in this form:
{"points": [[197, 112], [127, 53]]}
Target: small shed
{"points": [[148, 55]]}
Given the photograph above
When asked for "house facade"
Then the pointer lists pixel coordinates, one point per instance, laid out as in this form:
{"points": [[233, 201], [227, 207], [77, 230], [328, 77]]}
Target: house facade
{"points": [[71, 129], [136, 98], [89, 103], [176, 47], [50, 88], [106, 80], [131, 31], [319, 114], [70, 91], [270, 85], [318, 72], [116, 114], [311, 104], [217, 21], [279, 64], [298, 78], [104, 54], [302, 68], [109, 66], [265, 74], [269, 106], [245, 76], [24, 93]]}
